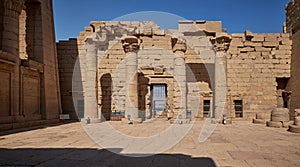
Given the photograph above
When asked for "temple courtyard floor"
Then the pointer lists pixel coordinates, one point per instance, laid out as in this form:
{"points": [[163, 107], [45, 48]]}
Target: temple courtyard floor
{"points": [[76, 144]]}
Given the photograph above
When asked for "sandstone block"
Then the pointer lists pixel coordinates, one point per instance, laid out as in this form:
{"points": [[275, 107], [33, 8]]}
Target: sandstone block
{"points": [[233, 50], [236, 42], [270, 44], [285, 47], [246, 49], [258, 38], [285, 35], [262, 49], [248, 34], [286, 42], [266, 55], [252, 44], [254, 55], [271, 38], [159, 32]]}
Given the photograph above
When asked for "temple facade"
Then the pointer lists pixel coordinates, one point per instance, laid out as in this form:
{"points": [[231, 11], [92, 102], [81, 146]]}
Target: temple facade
{"points": [[137, 71], [198, 70]]}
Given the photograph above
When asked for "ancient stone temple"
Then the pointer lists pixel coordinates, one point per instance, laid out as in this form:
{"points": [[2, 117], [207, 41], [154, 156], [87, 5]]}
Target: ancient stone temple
{"points": [[198, 70], [29, 87], [137, 71]]}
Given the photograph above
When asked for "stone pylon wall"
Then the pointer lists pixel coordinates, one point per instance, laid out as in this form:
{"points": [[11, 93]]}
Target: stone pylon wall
{"points": [[29, 69], [293, 27]]}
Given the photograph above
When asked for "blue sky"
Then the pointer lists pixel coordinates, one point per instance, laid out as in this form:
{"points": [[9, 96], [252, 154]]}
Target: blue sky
{"points": [[259, 16]]}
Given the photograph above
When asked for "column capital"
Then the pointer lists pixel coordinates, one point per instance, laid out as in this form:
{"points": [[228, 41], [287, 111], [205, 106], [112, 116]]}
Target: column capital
{"points": [[130, 44], [178, 45], [221, 42], [14, 5]]}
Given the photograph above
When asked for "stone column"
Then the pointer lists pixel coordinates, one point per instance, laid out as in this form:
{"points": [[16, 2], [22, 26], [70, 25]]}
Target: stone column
{"points": [[221, 42], [179, 48], [90, 83], [10, 34], [11, 10], [131, 47]]}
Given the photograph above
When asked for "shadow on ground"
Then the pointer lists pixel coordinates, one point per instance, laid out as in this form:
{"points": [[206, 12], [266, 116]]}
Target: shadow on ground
{"points": [[93, 157], [13, 131]]}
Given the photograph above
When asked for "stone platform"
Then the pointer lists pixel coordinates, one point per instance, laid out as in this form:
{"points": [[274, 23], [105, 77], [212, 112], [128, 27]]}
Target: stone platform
{"points": [[237, 144]]}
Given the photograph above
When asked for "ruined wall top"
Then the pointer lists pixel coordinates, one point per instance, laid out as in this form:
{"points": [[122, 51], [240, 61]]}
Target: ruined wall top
{"points": [[200, 25]]}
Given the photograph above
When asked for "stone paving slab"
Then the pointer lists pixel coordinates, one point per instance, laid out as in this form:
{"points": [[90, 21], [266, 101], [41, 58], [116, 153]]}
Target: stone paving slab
{"points": [[237, 144]]}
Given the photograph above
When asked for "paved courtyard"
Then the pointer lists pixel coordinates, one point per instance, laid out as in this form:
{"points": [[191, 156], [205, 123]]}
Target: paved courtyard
{"points": [[237, 144]]}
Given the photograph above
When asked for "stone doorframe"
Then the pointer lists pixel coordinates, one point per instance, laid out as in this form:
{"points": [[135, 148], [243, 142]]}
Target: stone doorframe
{"points": [[167, 80]]}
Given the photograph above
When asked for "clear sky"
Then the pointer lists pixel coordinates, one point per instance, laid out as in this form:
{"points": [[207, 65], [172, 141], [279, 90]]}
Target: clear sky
{"points": [[259, 16]]}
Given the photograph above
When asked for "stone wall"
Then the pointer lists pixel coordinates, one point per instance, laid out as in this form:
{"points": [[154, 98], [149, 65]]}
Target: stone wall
{"points": [[30, 89], [254, 66], [293, 27], [67, 52], [254, 62], [155, 54]]}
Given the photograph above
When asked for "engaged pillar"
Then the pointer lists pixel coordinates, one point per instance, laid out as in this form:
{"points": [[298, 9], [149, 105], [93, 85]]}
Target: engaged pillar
{"points": [[131, 47], [179, 48], [221, 42]]}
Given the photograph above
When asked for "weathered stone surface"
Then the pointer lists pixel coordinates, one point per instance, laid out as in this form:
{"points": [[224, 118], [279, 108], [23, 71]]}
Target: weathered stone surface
{"points": [[292, 27], [30, 92]]}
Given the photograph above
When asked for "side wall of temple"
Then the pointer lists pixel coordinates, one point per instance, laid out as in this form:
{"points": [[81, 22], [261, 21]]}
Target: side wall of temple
{"points": [[293, 27], [28, 64], [257, 66]]}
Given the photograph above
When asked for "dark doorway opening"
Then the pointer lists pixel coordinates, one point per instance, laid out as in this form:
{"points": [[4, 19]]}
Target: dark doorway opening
{"points": [[206, 108], [106, 82], [238, 107]]}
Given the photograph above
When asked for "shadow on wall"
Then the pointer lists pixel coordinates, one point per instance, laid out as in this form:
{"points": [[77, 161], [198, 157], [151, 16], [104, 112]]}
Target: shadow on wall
{"points": [[143, 91], [106, 83], [67, 54], [93, 157], [202, 73]]}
